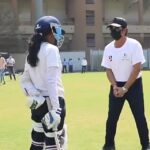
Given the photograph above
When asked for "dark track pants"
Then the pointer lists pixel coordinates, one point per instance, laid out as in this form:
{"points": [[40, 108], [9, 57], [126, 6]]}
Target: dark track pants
{"points": [[136, 102], [11, 72]]}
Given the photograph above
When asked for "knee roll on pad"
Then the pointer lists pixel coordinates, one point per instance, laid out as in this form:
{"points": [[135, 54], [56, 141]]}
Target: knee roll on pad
{"points": [[37, 127]]}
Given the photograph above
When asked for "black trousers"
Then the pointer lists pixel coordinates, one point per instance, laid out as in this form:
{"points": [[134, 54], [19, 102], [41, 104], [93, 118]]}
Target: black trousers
{"points": [[136, 102], [70, 68], [11, 72], [64, 70], [83, 69]]}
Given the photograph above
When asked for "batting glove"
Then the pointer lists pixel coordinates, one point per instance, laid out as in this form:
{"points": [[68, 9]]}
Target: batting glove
{"points": [[35, 102], [52, 119]]}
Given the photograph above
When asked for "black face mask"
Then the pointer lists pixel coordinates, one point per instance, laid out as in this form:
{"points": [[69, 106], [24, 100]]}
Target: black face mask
{"points": [[116, 35]]}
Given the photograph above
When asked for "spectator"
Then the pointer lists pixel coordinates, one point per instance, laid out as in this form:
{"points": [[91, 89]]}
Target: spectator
{"points": [[10, 67], [84, 65], [64, 70], [2, 69], [70, 63]]}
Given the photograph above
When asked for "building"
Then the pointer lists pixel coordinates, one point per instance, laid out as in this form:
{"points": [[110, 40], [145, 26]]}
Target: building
{"points": [[84, 21]]}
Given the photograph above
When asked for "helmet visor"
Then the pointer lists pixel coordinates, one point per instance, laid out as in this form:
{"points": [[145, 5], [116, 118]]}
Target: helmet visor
{"points": [[58, 33]]}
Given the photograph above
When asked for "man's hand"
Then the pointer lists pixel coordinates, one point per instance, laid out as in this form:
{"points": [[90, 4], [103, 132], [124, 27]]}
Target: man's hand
{"points": [[52, 119], [115, 90], [119, 91]]}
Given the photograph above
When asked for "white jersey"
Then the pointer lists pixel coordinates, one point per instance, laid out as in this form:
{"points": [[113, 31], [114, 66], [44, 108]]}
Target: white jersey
{"points": [[83, 62], [10, 62], [121, 60], [40, 76]]}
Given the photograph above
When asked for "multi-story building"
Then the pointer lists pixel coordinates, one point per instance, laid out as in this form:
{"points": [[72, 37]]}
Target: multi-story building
{"points": [[84, 21]]}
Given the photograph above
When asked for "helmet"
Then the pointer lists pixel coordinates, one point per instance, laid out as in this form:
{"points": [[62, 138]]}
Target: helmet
{"points": [[46, 24]]}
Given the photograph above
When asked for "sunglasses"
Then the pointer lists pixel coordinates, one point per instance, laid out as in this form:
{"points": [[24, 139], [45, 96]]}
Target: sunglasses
{"points": [[112, 28]]}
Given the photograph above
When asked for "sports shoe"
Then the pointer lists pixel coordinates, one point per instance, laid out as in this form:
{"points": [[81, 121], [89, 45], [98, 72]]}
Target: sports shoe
{"points": [[147, 148], [109, 148]]}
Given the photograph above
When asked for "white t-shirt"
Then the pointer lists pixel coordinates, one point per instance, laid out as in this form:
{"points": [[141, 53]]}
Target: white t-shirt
{"points": [[10, 61], [83, 62], [41, 76], [121, 60], [65, 63]]}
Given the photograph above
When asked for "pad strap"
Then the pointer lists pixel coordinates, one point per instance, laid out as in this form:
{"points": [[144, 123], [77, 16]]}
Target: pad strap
{"points": [[37, 126]]}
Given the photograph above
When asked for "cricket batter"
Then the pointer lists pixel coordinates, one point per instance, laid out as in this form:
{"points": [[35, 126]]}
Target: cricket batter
{"points": [[42, 84]]}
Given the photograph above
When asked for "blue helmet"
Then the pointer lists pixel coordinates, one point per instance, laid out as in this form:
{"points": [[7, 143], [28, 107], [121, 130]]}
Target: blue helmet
{"points": [[46, 24]]}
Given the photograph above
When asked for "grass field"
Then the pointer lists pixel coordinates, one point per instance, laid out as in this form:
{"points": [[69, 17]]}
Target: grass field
{"points": [[87, 106]]}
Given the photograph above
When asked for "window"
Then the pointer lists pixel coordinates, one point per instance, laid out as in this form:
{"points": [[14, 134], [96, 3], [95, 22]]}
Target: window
{"points": [[90, 17], [90, 1], [90, 39], [24, 12]]}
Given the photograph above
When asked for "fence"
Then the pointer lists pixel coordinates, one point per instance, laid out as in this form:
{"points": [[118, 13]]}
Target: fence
{"points": [[96, 58], [94, 62]]}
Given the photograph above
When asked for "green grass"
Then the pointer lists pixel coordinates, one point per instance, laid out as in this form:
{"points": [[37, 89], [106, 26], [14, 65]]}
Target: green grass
{"points": [[87, 105]]}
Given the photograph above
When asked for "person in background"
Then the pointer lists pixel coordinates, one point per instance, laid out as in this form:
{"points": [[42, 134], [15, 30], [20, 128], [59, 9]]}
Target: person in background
{"points": [[123, 59], [42, 84], [65, 64], [84, 65], [10, 67], [70, 64], [2, 69]]}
